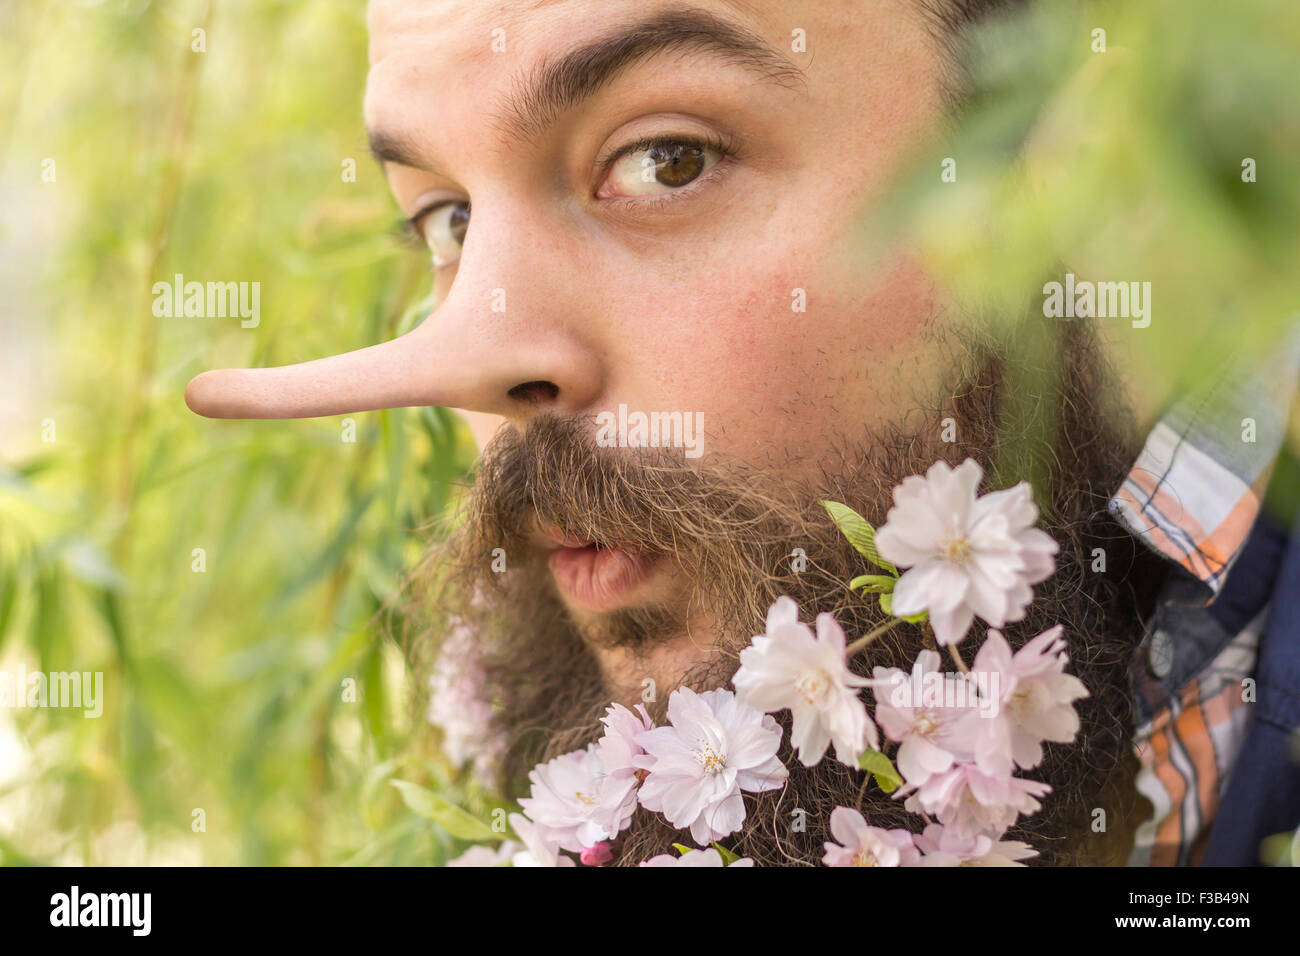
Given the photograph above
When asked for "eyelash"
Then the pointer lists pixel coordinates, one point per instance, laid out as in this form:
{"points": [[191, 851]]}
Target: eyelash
{"points": [[409, 229], [723, 144]]}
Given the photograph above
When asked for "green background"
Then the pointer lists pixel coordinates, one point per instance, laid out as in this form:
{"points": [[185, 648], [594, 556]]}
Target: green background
{"points": [[225, 688]]}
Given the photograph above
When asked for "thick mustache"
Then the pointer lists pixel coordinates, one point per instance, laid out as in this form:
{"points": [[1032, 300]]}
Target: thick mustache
{"points": [[552, 477], [727, 528]]}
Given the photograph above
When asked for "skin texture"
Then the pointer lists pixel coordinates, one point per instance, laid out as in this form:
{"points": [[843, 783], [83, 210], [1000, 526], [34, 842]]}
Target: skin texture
{"points": [[682, 301], [686, 306]]}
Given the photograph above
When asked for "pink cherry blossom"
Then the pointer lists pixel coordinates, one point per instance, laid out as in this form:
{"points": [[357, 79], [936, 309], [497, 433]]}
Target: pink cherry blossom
{"points": [[862, 845], [618, 746], [789, 668], [968, 556], [709, 857], [565, 799], [972, 802], [597, 855], [480, 856], [942, 846], [458, 704], [715, 748], [1035, 702], [925, 728], [616, 750], [540, 848]]}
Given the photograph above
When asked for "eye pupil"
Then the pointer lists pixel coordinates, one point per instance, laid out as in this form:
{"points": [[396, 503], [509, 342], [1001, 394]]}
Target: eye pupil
{"points": [[459, 221], [678, 164]]}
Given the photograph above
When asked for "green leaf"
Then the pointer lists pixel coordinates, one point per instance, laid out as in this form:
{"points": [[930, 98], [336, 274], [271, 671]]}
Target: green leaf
{"points": [[873, 583], [882, 769], [446, 814], [683, 850], [859, 532], [728, 857], [887, 605]]}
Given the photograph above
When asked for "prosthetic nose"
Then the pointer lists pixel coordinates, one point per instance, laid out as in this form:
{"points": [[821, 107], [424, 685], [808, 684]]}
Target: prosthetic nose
{"points": [[413, 369]]}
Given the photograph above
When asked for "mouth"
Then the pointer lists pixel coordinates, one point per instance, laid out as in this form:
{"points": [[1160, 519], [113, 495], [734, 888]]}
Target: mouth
{"points": [[595, 577]]}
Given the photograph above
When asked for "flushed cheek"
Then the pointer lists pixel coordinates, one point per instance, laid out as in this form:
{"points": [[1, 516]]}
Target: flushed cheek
{"points": [[790, 362], [732, 344], [875, 347]]}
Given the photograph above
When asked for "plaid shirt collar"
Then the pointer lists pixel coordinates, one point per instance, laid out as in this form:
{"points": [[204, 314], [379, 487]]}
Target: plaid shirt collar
{"points": [[1194, 495], [1196, 488]]}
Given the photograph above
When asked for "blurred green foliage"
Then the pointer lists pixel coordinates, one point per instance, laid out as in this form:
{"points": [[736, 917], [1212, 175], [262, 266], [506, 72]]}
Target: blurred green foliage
{"points": [[224, 688], [1147, 141], [1111, 138]]}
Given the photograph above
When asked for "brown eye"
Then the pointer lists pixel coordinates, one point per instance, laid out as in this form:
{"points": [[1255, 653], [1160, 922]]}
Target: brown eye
{"points": [[658, 169], [678, 164], [458, 222]]}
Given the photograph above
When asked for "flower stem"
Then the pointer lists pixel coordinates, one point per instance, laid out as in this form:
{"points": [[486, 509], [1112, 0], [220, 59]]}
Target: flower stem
{"points": [[961, 665], [867, 638]]}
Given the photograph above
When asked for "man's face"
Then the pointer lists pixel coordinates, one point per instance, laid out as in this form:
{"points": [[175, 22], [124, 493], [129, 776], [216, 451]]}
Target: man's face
{"points": [[659, 205]]}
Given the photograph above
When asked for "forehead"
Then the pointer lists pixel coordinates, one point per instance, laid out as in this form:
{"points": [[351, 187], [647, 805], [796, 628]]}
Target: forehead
{"points": [[470, 27], [447, 46], [391, 21]]}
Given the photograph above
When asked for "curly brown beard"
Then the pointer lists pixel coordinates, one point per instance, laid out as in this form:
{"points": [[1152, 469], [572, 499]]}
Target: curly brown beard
{"points": [[730, 529]]}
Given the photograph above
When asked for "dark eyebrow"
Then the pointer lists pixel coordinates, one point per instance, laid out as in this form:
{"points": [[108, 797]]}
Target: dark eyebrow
{"points": [[560, 84], [391, 147]]}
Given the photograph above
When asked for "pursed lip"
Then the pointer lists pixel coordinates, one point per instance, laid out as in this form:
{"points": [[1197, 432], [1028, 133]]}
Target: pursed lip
{"points": [[594, 577]]}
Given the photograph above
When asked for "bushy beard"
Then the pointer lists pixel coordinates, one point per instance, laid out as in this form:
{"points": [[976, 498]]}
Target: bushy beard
{"points": [[731, 531]]}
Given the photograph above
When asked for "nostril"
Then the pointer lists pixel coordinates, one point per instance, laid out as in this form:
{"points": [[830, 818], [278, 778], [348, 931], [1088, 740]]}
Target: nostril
{"points": [[535, 393]]}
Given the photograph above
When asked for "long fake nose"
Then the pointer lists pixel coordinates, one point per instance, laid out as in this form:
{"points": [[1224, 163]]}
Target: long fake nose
{"points": [[412, 369], [464, 355]]}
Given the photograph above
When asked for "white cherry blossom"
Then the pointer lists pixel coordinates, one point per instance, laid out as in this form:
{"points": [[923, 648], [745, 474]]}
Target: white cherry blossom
{"points": [[714, 748], [787, 667], [967, 556]]}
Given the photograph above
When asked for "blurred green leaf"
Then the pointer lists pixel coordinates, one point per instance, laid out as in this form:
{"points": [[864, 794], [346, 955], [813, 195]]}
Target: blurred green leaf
{"points": [[447, 815]]}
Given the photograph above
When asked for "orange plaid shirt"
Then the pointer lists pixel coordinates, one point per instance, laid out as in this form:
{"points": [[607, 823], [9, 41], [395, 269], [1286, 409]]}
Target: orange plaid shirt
{"points": [[1194, 496]]}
